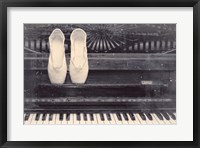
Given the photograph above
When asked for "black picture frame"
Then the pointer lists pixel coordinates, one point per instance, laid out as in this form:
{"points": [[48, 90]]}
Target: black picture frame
{"points": [[99, 3]]}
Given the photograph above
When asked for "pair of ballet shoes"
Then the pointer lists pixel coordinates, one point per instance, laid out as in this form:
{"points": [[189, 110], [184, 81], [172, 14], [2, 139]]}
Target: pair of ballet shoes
{"points": [[57, 66]]}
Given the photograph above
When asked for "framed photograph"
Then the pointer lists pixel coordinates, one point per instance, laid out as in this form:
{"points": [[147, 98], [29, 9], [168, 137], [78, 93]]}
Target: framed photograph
{"points": [[104, 73]]}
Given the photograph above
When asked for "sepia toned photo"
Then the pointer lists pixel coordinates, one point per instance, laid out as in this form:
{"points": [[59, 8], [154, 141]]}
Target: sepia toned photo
{"points": [[101, 74]]}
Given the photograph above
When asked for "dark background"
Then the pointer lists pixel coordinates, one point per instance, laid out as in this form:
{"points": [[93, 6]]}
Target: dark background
{"points": [[120, 57]]}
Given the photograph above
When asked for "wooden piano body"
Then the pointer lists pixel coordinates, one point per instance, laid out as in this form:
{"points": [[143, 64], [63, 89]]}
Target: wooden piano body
{"points": [[142, 83]]}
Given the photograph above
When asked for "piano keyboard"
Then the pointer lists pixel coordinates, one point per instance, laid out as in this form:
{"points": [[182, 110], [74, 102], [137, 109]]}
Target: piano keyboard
{"points": [[99, 118]]}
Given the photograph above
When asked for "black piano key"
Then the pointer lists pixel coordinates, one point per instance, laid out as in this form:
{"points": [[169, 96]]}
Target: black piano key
{"points": [[44, 117], [172, 115], [67, 116], [108, 117], [119, 116], [125, 116], [61, 117], [132, 116], [78, 117], [149, 116], [159, 115], [142, 116], [165, 115], [37, 116], [91, 117], [50, 117], [85, 117], [102, 117], [26, 116]]}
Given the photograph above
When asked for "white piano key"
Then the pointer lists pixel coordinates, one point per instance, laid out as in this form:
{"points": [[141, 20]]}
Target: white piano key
{"points": [[53, 121], [174, 114], [112, 119], [159, 121], [99, 119], [46, 121], [106, 119], [71, 119], [29, 119], [172, 121], [82, 121], [147, 120], [154, 121], [64, 121], [123, 119], [24, 118], [140, 119], [95, 119], [58, 121], [166, 121], [88, 119], [136, 121], [116, 119], [75, 119], [33, 121], [130, 121], [40, 119]]}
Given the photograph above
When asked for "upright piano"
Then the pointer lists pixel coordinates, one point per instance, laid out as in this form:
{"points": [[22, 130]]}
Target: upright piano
{"points": [[131, 80]]}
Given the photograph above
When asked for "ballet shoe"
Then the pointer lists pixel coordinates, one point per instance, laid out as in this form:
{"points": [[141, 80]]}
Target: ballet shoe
{"points": [[78, 67], [57, 66]]}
